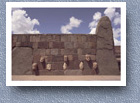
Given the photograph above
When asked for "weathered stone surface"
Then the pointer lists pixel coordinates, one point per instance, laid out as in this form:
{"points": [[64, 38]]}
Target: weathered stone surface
{"points": [[106, 60], [43, 45], [21, 60], [57, 66], [73, 72], [69, 45], [54, 51], [57, 45], [51, 72], [68, 51], [57, 58], [35, 45], [89, 51]]}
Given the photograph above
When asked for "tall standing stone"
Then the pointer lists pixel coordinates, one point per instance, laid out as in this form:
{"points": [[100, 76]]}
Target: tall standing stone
{"points": [[106, 60]]}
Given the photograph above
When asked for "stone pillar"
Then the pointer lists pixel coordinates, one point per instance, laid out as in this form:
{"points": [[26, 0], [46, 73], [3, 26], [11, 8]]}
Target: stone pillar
{"points": [[105, 56]]}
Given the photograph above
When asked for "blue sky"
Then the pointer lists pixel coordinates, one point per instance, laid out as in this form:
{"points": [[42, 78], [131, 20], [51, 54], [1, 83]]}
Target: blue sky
{"points": [[63, 20]]}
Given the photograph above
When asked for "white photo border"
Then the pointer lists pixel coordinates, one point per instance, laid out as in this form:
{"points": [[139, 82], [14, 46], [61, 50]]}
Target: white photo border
{"points": [[10, 5]]}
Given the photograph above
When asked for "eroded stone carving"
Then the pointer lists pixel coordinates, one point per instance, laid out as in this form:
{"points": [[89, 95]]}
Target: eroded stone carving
{"points": [[106, 59], [81, 65], [64, 66], [48, 66]]}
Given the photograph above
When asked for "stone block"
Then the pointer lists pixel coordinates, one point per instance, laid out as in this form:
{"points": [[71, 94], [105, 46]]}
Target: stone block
{"points": [[43, 38], [69, 45], [27, 44], [51, 72], [84, 38], [57, 58], [48, 52], [57, 45], [19, 38], [13, 45], [36, 58], [48, 59], [18, 44], [56, 38], [89, 51], [64, 38], [43, 45], [21, 60], [73, 72], [42, 52], [57, 66], [35, 45], [68, 51], [54, 51], [90, 45], [88, 72], [81, 57], [79, 51], [14, 38], [74, 38]]}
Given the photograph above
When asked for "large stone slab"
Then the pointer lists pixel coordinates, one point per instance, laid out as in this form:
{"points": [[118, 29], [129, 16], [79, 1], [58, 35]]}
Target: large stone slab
{"points": [[106, 60], [21, 61], [73, 72]]}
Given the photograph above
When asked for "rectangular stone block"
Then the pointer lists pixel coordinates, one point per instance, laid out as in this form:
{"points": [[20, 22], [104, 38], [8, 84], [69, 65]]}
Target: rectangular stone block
{"points": [[43, 45], [64, 38], [48, 52], [54, 51], [51, 72], [57, 45], [74, 38], [57, 58], [57, 66], [26, 44], [48, 59], [18, 44], [19, 38], [36, 58], [42, 52], [56, 38], [90, 45], [69, 45], [84, 38], [73, 64], [43, 38], [81, 57], [88, 51], [88, 72], [35, 45], [68, 51], [73, 72], [79, 51], [14, 38], [91, 38]]}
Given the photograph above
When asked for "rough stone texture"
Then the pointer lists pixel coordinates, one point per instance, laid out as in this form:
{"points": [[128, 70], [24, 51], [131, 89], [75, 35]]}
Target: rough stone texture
{"points": [[106, 60], [51, 72], [21, 60], [73, 72]]}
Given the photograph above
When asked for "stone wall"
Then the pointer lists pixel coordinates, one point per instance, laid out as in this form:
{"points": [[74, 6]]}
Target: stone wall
{"points": [[61, 54], [55, 47]]}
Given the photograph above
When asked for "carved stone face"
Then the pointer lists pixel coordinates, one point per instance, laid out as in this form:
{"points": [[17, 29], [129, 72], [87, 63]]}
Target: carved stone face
{"points": [[64, 66], [94, 65], [81, 65], [42, 59], [48, 66], [87, 57], [65, 58], [34, 66]]}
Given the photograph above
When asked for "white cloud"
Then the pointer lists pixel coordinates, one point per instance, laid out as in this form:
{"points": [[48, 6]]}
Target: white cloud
{"points": [[110, 12], [117, 42], [117, 19], [97, 16], [22, 23], [93, 24], [74, 22], [116, 32]]}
